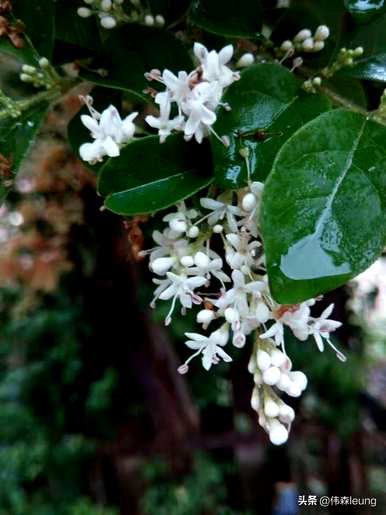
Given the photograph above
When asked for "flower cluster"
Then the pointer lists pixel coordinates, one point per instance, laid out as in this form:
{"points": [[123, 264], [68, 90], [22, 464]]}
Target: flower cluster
{"points": [[304, 41], [109, 131], [44, 76], [233, 292], [189, 101], [111, 13]]}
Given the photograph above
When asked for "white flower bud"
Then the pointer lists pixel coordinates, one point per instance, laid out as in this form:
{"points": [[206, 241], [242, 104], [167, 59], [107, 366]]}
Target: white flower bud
{"points": [[278, 434], [257, 378], [218, 228], [106, 5], [322, 33], [318, 46], [300, 379], [162, 265], [245, 60], [160, 20], [25, 78], [293, 390], [308, 45], [286, 46], [201, 260], [231, 315], [278, 358], [44, 62], [271, 409], [187, 261], [284, 382], [263, 360], [286, 413], [358, 51], [251, 365], [193, 232], [149, 20], [28, 69], [249, 202], [84, 12], [89, 2], [271, 376], [108, 22], [302, 35], [205, 317], [177, 225], [262, 313], [255, 400], [317, 81]]}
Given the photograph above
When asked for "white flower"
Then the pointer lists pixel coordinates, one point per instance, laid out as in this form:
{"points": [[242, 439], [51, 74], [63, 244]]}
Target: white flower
{"points": [[109, 131], [200, 116], [276, 331], [205, 266], [320, 328], [181, 287], [220, 210], [213, 64], [163, 123], [210, 346], [237, 297], [179, 85], [240, 254]]}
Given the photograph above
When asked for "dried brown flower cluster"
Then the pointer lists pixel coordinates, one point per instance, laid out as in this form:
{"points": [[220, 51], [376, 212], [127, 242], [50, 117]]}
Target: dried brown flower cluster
{"points": [[12, 31]]}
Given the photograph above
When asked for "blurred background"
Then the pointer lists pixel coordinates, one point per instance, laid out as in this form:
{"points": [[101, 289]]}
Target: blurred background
{"points": [[95, 419]]}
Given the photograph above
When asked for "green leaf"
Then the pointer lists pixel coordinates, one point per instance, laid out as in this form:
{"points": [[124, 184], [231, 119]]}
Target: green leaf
{"points": [[267, 106], [71, 28], [364, 10], [39, 19], [77, 133], [324, 205], [224, 18], [149, 176], [16, 139], [131, 51]]}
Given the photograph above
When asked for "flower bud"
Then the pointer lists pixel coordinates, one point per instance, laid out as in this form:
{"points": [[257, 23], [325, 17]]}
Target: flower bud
{"points": [[183, 369], [271, 376], [205, 317], [24, 77], [286, 413], [187, 261], [263, 360], [193, 232], [249, 202], [255, 400], [271, 409], [284, 382], [231, 315], [162, 265], [262, 313], [28, 69], [318, 46], [302, 35], [218, 228], [160, 20], [201, 260], [108, 22], [322, 33], [44, 62], [84, 12], [245, 60], [286, 46], [278, 358], [278, 434], [300, 379], [106, 5], [317, 81], [177, 225], [149, 20], [293, 390], [308, 45]]}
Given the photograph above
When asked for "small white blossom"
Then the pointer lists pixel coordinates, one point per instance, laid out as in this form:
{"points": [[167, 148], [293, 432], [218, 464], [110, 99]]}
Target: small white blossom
{"points": [[211, 347]]}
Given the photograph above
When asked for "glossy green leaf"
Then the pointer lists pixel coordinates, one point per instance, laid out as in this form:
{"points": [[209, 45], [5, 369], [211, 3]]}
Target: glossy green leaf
{"points": [[77, 133], [39, 19], [267, 106], [131, 51], [226, 18], [148, 176], [16, 139], [71, 28], [324, 205], [364, 10]]}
